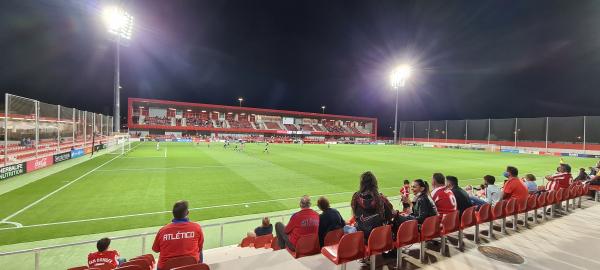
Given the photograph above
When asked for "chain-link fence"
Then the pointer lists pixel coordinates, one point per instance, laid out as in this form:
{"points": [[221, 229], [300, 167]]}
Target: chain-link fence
{"points": [[575, 132], [32, 129]]}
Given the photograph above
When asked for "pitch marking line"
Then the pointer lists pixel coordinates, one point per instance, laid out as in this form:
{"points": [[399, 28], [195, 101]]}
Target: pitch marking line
{"points": [[56, 191]]}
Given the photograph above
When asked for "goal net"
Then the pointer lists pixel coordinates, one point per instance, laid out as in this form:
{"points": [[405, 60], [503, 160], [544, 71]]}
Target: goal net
{"points": [[119, 144]]}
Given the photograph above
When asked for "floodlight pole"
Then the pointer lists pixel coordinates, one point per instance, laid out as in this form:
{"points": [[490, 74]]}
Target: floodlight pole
{"points": [[396, 119], [117, 92]]}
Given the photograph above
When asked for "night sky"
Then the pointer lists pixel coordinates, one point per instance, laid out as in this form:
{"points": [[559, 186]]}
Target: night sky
{"points": [[472, 59]]}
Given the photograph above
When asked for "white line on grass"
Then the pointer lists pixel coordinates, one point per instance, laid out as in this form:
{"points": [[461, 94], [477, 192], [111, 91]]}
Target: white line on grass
{"points": [[57, 190], [169, 211]]}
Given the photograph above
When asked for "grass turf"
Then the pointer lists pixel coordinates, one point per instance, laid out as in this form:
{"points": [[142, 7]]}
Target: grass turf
{"points": [[138, 189]]}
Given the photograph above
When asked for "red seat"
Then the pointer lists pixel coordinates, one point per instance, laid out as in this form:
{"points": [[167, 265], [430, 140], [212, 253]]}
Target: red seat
{"points": [[306, 245], [531, 206], [449, 224], [130, 267], [247, 241], [408, 234], [380, 241], [540, 203], [333, 237], [263, 241], [143, 263], [275, 244], [498, 213], [483, 215], [78, 268], [351, 247], [551, 199], [467, 220], [178, 262], [200, 266], [430, 229], [510, 209]]}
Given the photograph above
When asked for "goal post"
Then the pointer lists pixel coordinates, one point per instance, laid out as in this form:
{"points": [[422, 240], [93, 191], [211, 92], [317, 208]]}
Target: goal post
{"points": [[119, 144]]}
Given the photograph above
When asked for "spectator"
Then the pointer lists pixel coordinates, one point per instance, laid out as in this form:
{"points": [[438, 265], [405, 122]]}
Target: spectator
{"points": [[104, 256], [369, 207], [303, 222], [329, 220], [583, 176], [492, 192], [180, 237], [265, 229], [404, 195], [514, 187], [460, 195], [444, 199], [561, 179], [529, 181], [423, 206]]}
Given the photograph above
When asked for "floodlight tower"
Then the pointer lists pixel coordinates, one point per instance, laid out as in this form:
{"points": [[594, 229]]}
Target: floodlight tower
{"points": [[397, 80], [240, 100], [119, 24], [323, 109]]}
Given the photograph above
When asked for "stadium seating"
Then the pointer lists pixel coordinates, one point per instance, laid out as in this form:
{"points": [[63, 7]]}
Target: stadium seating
{"points": [[271, 125], [275, 244], [200, 266], [450, 223], [263, 241], [408, 234], [484, 215], [380, 241], [78, 268], [468, 219], [430, 229], [540, 203], [530, 206], [178, 262], [333, 237], [351, 247], [290, 127], [247, 241], [305, 246], [142, 263], [130, 267]]}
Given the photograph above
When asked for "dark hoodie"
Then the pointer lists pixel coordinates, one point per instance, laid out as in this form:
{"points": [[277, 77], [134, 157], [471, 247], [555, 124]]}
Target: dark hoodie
{"points": [[370, 211]]}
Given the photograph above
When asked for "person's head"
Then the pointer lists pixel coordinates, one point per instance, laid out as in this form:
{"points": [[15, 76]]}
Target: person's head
{"points": [[420, 186], [451, 181], [530, 177], [598, 164], [406, 182], [266, 222], [305, 202], [489, 179], [564, 167], [582, 170], [438, 180], [368, 183], [180, 209], [482, 186], [511, 172], [323, 203], [103, 244]]}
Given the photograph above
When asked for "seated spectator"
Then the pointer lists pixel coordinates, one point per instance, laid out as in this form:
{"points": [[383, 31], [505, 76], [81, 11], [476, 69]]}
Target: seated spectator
{"points": [[329, 220], [180, 237], [265, 229], [492, 192], [583, 176], [460, 195], [561, 179], [404, 195], [514, 187], [529, 181], [423, 206], [303, 222], [444, 199], [104, 256], [370, 208]]}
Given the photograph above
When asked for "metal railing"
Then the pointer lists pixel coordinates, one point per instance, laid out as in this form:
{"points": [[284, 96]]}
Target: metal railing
{"points": [[37, 252]]}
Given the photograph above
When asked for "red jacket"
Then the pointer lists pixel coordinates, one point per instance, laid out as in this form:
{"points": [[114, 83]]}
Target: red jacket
{"points": [[110, 257], [180, 238], [444, 199], [303, 222]]}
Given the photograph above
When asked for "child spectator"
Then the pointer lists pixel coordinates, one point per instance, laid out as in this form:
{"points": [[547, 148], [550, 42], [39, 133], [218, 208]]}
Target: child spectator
{"points": [[529, 180], [404, 196], [104, 257]]}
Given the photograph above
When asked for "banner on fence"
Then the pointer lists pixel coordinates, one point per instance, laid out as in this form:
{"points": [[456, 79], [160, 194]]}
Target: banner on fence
{"points": [[39, 163], [12, 170], [62, 157], [75, 153]]}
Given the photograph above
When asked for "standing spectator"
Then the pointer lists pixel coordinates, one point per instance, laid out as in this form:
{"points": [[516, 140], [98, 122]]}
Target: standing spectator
{"points": [[561, 179], [514, 187], [493, 194], [529, 181], [460, 195], [329, 220], [303, 222], [404, 195], [180, 237], [444, 199], [265, 228], [369, 207], [104, 256]]}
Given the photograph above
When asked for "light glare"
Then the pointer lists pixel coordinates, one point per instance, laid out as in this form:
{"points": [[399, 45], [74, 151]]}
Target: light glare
{"points": [[399, 76], [118, 22]]}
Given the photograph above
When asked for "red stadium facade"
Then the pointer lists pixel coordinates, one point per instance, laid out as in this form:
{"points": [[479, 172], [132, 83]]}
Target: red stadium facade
{"points": [[163, 117]]}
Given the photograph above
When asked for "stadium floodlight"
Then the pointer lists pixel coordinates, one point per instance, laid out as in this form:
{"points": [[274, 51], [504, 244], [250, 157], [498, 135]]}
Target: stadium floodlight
{"points": [[398, 79], [323, 109], [119, 24], [240, 100]]}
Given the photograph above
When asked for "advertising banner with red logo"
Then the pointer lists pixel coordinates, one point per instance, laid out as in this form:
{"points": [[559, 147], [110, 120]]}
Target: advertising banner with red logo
{"points": [[39, 163]]}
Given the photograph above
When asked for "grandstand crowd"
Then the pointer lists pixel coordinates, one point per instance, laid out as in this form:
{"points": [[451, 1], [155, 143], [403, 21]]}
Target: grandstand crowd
{"points": [[182, 239]]}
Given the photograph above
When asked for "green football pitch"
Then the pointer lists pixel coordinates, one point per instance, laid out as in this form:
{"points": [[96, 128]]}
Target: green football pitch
{"points": [[137, 190]]}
